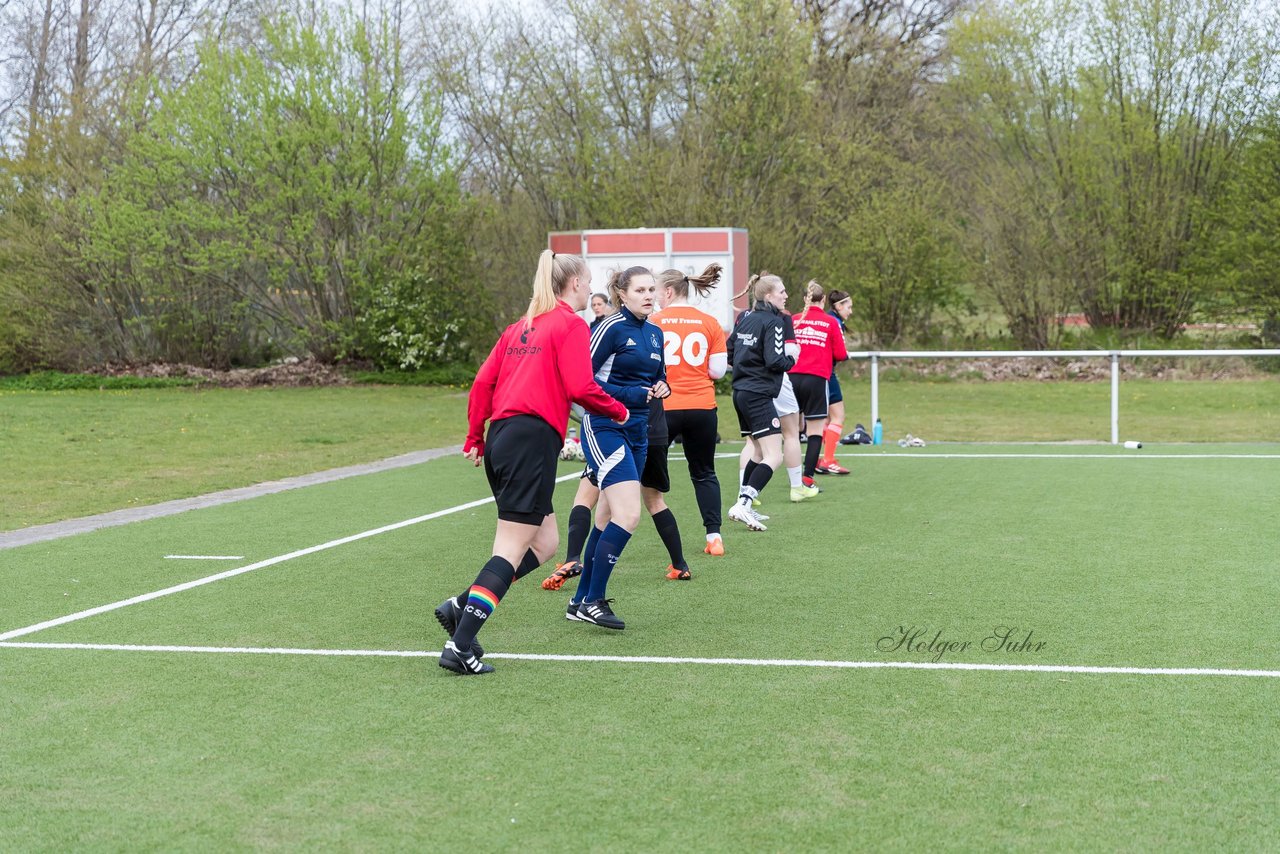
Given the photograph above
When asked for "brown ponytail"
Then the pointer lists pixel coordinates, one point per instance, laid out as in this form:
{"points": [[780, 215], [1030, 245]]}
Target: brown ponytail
{"points": [[703, 283], [553, 272], [834, 298]]}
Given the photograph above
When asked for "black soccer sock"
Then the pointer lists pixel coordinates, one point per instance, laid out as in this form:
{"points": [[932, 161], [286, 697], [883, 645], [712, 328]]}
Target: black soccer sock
{"points": [[747, 470], [760, 477], [491, 585], [669, 531], [579, 528], [811, 454], [528, 565]]}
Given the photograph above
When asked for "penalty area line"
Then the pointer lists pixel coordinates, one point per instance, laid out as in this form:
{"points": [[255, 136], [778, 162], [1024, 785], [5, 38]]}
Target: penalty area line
{"points": [[663, 659], [231, 573]]}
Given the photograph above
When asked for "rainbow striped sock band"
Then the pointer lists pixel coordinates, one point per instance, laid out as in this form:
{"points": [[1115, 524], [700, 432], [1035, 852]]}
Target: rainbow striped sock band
{"points": [[482, 599]]}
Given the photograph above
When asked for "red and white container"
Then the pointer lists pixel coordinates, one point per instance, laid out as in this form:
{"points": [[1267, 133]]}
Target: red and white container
{"points": [[688, 250]]}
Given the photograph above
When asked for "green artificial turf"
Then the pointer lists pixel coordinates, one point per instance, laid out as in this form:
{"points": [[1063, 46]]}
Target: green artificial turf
{"points": [[1160, 558]]}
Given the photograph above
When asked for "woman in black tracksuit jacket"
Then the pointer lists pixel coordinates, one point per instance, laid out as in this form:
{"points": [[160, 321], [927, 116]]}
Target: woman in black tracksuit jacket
{"points": [[759, 356]]}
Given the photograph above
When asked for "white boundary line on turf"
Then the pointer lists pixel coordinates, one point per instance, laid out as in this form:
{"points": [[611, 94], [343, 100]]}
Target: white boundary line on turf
{"points": [[204, 557], [662, 659], [922, 455], [231, 573], [872, 455]]}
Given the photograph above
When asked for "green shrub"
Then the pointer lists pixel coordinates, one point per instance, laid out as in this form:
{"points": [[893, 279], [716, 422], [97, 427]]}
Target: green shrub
{"points": [[456, 374]]}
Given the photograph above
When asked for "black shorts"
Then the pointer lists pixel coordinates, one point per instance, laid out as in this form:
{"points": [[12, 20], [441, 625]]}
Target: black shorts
{"points": [[520, 456], [811, 394], [756, 415], [655, 474]]}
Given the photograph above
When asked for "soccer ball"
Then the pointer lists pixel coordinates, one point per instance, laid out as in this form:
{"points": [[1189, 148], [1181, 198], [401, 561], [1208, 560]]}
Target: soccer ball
{"points": [[572, 450]]}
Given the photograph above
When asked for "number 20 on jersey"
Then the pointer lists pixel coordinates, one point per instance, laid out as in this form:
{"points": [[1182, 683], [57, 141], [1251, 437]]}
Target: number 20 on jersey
{"points": [[692, 350]]}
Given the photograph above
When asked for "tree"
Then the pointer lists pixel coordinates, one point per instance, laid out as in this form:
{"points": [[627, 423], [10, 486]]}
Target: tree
{"points": [[1117, 125], [1248, 255], [285, 199]]}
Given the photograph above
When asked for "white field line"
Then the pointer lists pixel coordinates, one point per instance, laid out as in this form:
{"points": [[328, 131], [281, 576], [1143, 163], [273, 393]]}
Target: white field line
{"points": [[919, 455], [1133, 455], [231, 573], [204, 557], [662, 659]]}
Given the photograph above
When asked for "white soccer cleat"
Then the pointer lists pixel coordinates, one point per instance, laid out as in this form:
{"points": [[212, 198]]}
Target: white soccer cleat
{"points": [[740, 513]]}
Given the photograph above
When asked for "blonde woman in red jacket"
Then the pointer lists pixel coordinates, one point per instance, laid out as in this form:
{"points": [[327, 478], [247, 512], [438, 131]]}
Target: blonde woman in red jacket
{"points": [[539, 366]]}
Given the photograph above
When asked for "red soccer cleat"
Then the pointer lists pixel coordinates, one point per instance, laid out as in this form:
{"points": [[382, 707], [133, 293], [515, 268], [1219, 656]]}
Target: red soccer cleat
{"points": [[714, 547], [678, 574]]}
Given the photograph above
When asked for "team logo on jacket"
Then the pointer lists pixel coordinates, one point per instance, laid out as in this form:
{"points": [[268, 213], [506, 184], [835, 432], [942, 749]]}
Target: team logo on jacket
{"points": [[653, 340], [525, 348]]}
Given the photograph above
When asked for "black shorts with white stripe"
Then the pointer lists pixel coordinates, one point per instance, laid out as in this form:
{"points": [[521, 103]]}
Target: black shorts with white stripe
{"points": [[756, 414]]}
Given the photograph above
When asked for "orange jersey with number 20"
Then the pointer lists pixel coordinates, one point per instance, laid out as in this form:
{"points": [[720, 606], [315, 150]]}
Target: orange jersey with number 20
{"points": [[690, 338]]}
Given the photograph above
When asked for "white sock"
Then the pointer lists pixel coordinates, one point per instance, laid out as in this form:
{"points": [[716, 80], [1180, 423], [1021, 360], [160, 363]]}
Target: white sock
{"points": [[711, 538], [794, 475]]}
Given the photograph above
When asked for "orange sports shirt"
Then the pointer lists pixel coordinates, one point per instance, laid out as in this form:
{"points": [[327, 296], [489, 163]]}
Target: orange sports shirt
{"points": [[690, 338]]}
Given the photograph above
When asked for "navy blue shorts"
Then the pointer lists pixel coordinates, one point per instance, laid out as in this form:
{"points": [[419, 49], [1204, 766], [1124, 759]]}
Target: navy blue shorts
{"points": [[612, 455], [834, 394]]}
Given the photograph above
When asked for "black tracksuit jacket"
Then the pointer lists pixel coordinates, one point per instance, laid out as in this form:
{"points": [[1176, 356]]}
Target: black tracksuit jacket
{"points": [[757, 350]]}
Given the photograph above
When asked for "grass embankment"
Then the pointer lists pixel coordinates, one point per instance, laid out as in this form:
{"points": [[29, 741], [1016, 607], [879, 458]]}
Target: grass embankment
{"points": [[76, 453]]}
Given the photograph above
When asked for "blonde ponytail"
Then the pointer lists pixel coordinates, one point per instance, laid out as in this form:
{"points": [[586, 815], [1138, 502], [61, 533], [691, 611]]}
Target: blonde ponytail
{"points": [[544, 292], [813, 293], [553, 272], [763, 283]]}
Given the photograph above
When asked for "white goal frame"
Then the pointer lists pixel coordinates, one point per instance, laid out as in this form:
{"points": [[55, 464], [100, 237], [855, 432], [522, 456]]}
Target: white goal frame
{"points": [[1114, 355]]}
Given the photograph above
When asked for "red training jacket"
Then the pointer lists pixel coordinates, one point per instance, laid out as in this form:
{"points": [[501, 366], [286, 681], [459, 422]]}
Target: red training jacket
{"points": [[538, 371], [821, 342]]}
